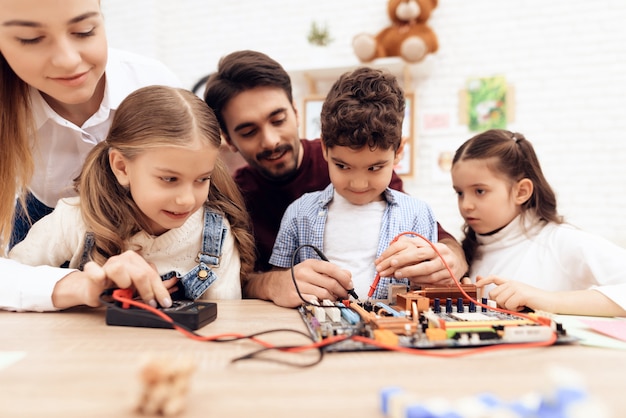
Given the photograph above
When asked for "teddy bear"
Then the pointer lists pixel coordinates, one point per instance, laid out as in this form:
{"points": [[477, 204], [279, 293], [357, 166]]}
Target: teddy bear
{"points": [[408, 37]]}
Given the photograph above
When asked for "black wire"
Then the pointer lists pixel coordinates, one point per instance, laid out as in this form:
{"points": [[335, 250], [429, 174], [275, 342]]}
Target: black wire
{"points": [[255, 356], [256, 334], [293, 263], [106, 300], [293, 274]]}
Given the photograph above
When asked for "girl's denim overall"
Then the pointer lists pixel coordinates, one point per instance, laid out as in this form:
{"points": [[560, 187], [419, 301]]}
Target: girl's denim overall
{"points": [[198, 280]]}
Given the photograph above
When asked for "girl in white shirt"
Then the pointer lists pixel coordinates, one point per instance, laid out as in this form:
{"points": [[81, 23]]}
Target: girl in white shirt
{"points": [[520, 251], [59, 88], [155, 186]]}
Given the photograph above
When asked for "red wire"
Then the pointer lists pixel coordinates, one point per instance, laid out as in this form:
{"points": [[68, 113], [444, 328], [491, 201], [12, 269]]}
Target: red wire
{"points": [[182, 330], [454, 279], [333, 340]]}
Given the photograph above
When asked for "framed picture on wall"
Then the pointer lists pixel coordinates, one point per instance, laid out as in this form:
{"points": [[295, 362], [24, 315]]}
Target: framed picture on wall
{"points": [[487, 103], [405, 165], [311, 127]]}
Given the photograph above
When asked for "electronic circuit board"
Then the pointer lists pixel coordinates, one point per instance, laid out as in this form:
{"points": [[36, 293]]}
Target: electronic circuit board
{"points": [[429, 318]]}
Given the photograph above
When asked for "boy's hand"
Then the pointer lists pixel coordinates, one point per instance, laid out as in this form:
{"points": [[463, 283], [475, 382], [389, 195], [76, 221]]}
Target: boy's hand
{"points": [[415, 259], [316, 279]]}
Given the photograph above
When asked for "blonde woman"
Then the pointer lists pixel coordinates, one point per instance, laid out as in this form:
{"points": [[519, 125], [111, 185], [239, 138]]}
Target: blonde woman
{"points": [[60, 85]]}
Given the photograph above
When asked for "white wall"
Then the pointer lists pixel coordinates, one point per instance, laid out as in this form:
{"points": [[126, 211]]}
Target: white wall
{"points": [[565, 58]]}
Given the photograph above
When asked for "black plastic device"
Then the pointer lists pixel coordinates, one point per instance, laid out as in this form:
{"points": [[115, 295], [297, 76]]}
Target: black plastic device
{"points": [[190, 314]]}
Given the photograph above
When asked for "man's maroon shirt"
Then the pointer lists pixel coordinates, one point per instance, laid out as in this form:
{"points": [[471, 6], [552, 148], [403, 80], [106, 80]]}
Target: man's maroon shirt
{"points": [[266, 200]]}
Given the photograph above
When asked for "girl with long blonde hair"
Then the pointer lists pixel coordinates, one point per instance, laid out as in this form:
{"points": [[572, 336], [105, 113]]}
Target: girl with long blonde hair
{"points": [[156, 186]]}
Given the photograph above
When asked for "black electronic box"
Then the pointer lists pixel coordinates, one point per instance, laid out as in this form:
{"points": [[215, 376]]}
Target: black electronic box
{"points": [[190, 314]]}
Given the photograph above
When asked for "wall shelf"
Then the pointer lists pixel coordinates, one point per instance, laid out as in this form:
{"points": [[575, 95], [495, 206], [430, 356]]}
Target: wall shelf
{"points": [[317, 81]]}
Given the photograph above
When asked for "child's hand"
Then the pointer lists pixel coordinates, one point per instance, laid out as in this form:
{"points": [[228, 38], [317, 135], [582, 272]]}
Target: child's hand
{"points": [[322, 280], [125, 270], [415, 259], [515, 296], [316, 279], [129, 269]]}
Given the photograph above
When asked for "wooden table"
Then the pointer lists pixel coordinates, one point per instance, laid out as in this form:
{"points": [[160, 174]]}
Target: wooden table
{"points": [[77, 366]]}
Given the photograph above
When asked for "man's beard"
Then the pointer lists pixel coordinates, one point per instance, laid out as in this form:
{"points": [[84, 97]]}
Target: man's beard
{"points": [[275, 174]]}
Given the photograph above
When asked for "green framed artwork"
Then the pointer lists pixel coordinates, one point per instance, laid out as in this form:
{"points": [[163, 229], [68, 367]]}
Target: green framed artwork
{"points": [[486, 103]]}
